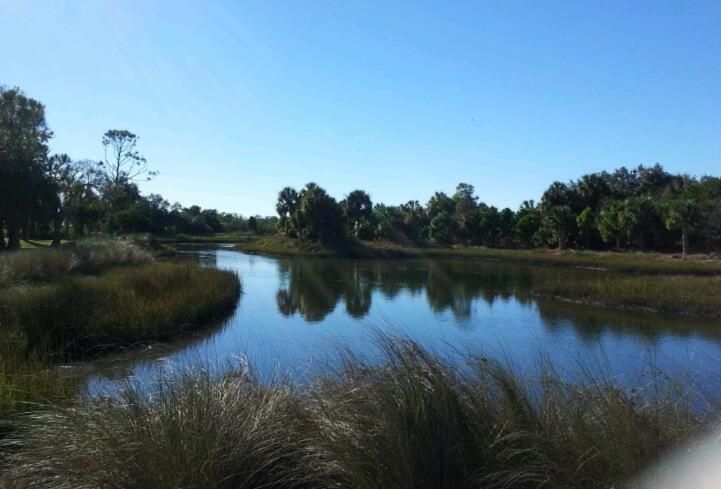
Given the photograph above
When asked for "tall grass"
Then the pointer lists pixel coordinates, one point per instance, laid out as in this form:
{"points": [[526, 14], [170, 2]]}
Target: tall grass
{"points": [[59, 304], [673, 294], [82, 315], [87, 256], [411, 421], [630, 262]]}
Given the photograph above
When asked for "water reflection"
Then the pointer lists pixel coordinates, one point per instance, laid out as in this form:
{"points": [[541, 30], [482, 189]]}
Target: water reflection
{"points": [[293, 311], [313, 288]]}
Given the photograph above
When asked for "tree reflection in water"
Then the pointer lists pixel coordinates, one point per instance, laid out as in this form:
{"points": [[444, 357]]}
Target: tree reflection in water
{"points": [[313, 288]]}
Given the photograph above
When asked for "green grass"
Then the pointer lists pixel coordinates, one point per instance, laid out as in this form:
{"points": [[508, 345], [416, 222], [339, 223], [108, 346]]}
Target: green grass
{"points": [[88, 256], [673, 294], [77, 315], [40, 243], [630, 262], [411, 420], [98, 297]]}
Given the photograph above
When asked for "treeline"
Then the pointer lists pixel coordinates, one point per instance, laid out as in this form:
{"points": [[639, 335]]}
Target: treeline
{"points": [[646, 208], [44, 196]]}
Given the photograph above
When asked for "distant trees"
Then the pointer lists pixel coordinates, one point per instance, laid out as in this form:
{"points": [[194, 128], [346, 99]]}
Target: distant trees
{"points": [[645, 208], [310, 214], [54, 196], [358, 214], [25, 191]]}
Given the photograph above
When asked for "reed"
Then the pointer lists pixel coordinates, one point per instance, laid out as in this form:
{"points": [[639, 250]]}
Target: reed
{"points": [[411, 421]]}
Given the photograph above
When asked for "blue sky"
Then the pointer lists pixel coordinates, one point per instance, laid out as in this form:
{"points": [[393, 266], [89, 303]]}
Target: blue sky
{"points": [[234, 100]]}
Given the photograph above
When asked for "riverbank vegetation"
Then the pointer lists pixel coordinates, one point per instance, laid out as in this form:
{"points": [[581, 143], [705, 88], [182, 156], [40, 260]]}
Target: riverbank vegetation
{"points": [[643, 281], [99, 296], [44, 196], [643, 263], [407, 419], [641, 209]]}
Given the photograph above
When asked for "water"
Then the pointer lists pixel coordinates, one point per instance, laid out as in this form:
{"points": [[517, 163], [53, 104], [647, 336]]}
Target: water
{"points": [[294, 313]]}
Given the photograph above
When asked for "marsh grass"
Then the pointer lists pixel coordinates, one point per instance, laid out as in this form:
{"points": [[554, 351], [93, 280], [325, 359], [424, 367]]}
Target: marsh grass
{"points": [[80, 315], [100, 296], [673, 294], [629, 262], [88, 256], [412, 420]]}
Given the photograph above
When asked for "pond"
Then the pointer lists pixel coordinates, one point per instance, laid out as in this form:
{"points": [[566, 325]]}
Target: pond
{"points": [[295, 313]]}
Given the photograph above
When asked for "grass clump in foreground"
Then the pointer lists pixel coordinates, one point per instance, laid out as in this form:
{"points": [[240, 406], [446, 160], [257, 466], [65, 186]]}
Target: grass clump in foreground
{"points": [[412, 421]]}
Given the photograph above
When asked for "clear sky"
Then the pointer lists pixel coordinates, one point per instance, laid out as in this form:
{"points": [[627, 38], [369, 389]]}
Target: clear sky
{"points": [[235, 100]]}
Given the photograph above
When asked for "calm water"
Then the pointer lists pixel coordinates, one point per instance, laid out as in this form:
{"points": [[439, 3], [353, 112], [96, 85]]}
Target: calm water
{"points": [[294, 313]]}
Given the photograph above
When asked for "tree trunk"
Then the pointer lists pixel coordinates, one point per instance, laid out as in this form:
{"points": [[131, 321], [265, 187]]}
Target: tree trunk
{"points": [[25, 230], [57, 227], [684, 241], [561, 241], [13, 234], [2, 236]]}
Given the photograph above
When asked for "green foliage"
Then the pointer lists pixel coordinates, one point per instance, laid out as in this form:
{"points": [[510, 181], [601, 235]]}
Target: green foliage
{"points": [[561, 220], [358, 214], [56, 197], [441, 229]]}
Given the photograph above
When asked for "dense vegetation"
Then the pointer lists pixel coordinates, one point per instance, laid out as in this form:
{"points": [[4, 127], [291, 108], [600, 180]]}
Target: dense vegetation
{"points": [[408, 420], [645, 208], [73, 303], [56, 197]]}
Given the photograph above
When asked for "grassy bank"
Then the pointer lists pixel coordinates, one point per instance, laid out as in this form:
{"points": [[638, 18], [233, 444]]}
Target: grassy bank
{"points": [[672, 294], [78, 315], [646, 263], [89, 256], [650, 282], [76, 303], [410, 421]]}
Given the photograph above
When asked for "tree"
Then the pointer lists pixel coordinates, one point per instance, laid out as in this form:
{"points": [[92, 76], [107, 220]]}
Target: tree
{"points": [[528, 222], [83, 206], [286, 207], [24, 134], [438, 203], [506, 225], [682, 213], [358, 213], [63, 174], [441, 228], [414, 222], [561, 220], [466, 215], [123, 163], [253, 224], [318, 215]]}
